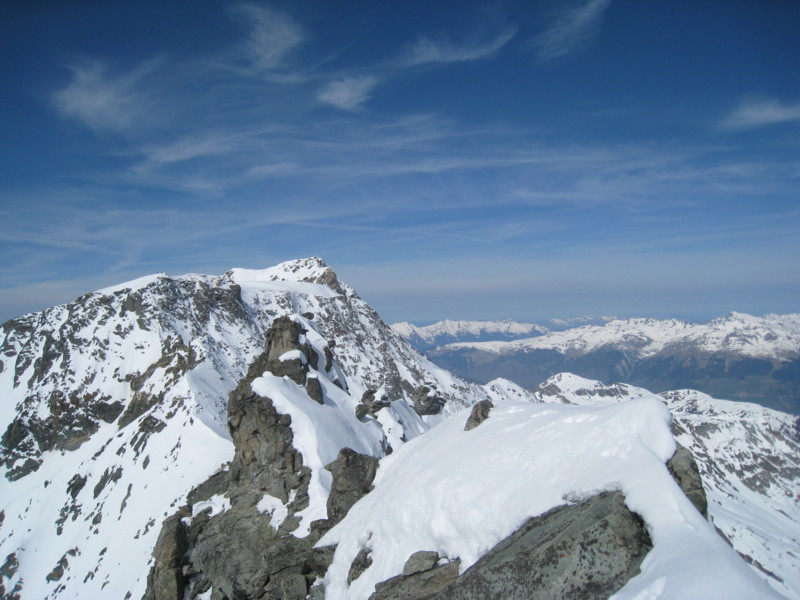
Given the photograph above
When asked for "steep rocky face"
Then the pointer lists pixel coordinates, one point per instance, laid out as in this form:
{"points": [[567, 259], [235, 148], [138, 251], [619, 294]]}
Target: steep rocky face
{"points": [[584, 551], [237, 535]]}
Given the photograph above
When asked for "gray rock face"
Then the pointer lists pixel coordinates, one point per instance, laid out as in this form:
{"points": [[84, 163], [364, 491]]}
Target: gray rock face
{"points": [[480, 412], [240, 553], [166, 579], [422, 583], [423, 560], [585, 551], [686, 473], [361, 563], [353, 474]]}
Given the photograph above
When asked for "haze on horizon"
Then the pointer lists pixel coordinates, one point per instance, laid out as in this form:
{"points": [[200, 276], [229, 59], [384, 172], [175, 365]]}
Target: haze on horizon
{"points": [[463, 160]]}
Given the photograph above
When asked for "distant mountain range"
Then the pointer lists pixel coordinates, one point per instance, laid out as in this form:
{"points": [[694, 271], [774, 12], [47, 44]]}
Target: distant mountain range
{"points": [[738, 356], [448, 332]]}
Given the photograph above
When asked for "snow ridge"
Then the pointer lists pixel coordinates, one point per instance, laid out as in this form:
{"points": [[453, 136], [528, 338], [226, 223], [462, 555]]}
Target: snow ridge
{"points": [[749, 459]]}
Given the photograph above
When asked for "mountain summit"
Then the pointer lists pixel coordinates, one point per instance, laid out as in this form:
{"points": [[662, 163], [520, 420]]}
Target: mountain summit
{"points": [[263, 434]]}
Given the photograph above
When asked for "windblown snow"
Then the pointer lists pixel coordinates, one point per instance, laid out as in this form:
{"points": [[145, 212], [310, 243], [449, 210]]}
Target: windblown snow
{"points": [[472, 489]]}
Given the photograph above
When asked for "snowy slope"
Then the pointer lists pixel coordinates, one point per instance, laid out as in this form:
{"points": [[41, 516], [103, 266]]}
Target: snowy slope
{"points": [[749, 459], [473, 488], [114, 407]]}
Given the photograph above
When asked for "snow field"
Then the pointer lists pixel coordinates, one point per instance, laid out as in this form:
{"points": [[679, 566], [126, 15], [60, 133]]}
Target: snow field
{"points": [[460, 493]]}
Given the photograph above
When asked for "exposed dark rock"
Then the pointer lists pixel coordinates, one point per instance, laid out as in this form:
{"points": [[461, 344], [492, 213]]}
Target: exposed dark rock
{"points": [[19, 452], [369, 405], [58, 571], [420, 585], [314, 390], [353, 474], [684, 470], [264, 457], [176, 360], [584, 551], [75, 485], [480, 412], [240, 553], [426, 401], [108, 475], [361, 563], [10, 566], [282, 337], [166, 580], [216, 484]]}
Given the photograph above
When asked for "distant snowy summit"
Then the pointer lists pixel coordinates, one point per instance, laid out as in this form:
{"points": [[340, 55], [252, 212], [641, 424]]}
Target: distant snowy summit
{"points": [[770, 336], [738, 356], [449, 332]]}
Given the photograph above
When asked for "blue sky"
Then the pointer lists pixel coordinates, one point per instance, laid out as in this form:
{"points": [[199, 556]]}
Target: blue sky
{"points": [[449, 159]]}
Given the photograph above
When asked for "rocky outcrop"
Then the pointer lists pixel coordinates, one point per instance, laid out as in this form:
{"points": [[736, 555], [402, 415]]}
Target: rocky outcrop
{"points": [[426, 401], [224, 539], [480, 412], [423, 578], [370, 405], [353, 474], [584, 551], [683, 468], [166, 578]]}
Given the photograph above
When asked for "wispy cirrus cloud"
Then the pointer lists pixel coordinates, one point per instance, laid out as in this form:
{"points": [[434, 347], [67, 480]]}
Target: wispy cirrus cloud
{"points": [[571, 30], [443, 51], [105, 102], [272, 37], [759, 111], [348, 93]]}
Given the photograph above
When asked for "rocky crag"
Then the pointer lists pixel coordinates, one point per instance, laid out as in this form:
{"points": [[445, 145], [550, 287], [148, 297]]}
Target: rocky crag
{"points": [[115, 406]]}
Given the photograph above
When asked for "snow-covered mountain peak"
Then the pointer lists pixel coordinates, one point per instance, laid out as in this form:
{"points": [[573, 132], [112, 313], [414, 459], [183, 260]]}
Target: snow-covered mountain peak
{"points": [[305, 270], [107, 399]]}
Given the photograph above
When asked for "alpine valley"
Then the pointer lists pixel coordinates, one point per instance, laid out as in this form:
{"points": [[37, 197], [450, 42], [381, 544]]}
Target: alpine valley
{"points": [[738, 356], [264, 435]]}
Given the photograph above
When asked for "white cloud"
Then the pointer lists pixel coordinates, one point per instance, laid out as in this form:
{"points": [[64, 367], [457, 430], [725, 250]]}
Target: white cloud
{"points": [[571, 30], [273, 35], [103, 102], [428, 51], [759, 112], [348, 93]]}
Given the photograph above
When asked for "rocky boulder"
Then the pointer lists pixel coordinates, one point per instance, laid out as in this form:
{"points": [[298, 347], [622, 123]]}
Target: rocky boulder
{"points": [[584, 551], [686, 473], [480, 412], [423, 578]]}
